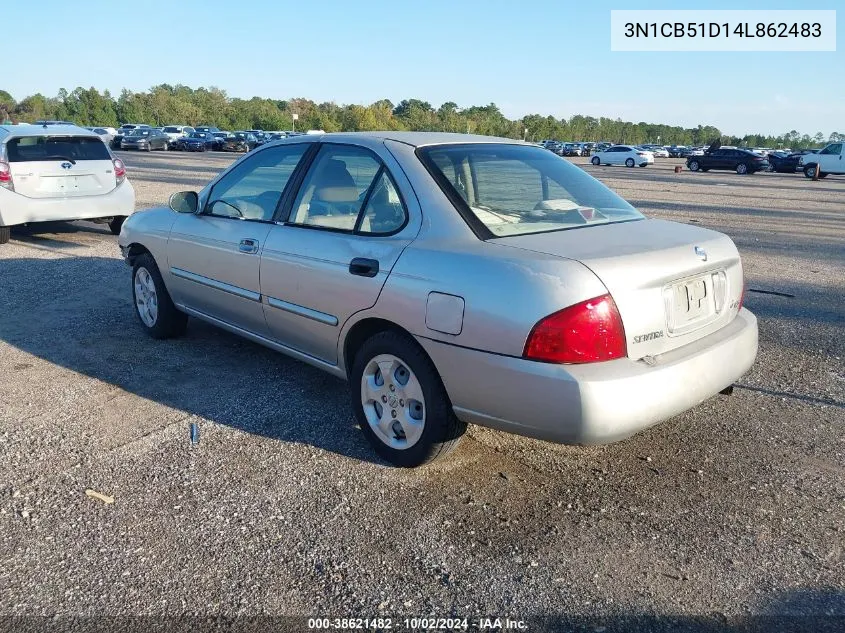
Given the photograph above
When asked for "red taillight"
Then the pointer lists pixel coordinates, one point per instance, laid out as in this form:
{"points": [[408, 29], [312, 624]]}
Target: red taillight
{"points": [[119, 170], [6, 176], [587, 332]]}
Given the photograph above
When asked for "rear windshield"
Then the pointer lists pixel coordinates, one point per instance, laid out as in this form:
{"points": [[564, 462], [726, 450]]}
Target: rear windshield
{"points": [[37, 148], [519, 189]]}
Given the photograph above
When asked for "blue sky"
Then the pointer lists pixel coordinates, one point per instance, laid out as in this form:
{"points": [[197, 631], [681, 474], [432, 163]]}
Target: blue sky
{"points": [[549, 57]]}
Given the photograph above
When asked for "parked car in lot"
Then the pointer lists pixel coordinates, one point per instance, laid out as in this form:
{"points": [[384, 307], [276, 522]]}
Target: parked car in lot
{"points": [[623, 155], [196, 142], [123, 130], [105, 133], [675, 151], [658, 150], [207, 129], [783, 162], [596, 322], [145, 139], [239, 142], [742, 161], [175, 132], [62, 173], [830, 160]]}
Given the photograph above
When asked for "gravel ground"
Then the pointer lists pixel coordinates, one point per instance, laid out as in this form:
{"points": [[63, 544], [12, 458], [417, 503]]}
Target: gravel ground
{"points": [[729, 516]]}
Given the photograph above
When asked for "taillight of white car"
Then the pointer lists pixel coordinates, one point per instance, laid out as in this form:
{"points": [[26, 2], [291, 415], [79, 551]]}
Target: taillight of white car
{"points": [[6, 176], [119, 170], [587, 332]]}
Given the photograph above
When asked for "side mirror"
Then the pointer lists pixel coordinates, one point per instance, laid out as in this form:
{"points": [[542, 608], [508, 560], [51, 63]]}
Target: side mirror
{"points": [[184, 202]]}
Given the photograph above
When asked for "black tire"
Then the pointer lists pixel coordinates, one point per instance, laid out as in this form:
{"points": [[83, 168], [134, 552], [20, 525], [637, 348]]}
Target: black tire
{"points": [[694, 165], [116, 224], [742, 169], [596, 161], [442, 430], [629, 162], [5, 234], [171, 322], [810, 170]]}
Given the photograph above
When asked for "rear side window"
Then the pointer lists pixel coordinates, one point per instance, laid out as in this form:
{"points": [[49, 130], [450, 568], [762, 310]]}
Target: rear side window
{"points": [[40, 148]]}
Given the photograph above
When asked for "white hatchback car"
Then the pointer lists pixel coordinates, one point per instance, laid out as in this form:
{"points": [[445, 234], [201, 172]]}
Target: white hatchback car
{"points": [[60, 172], [623, 155]]}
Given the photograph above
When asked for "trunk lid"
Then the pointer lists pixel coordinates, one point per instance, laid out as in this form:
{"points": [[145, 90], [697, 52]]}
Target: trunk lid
{"points": [[673, 283], [60, 166]]}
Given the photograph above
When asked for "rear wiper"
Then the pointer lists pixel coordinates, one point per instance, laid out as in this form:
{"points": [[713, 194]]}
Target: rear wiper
{"points": [[67, 158]]}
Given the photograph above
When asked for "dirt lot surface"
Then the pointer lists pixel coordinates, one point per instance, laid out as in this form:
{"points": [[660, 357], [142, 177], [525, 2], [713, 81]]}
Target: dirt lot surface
{"points": [[733, 510]]}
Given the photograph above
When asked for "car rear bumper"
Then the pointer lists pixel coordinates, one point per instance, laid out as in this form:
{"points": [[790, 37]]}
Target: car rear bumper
{"points": [[594, 403], [17, 209]]}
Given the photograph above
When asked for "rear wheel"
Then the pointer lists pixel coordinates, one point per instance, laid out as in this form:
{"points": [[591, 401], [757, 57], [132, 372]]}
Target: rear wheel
{"points": [[400, 402], [595, 160], [629, 162], [5, 234], [742, 168], [153, 305], [116, 224]]}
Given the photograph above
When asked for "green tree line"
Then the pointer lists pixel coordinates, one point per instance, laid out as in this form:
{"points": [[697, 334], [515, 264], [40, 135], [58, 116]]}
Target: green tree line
{"points": [[174, 105]]}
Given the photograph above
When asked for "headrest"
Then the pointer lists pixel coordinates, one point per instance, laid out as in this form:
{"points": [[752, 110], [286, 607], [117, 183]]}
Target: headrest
{"points": [[335, 183]]}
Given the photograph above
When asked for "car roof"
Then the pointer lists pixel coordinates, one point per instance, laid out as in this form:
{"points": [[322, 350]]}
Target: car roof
{"points": [[415, 139], [47, 130]]}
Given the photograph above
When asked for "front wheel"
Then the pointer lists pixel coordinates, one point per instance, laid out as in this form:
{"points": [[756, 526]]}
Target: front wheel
{"points": [[595, 161], [400, 402], [810, 171], [153, 305], [629, 162], [693, 165]]}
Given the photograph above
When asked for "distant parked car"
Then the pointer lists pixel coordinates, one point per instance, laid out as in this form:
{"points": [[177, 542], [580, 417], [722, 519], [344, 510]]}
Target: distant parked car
{"points": [[206, 128], [146, 139], [830, 160], [175, 132], [658, 150], [742, 161], [105, 133], [675, 151], [783, 162], [239, 142], [196, 142], [60, 173], [623, 155]]}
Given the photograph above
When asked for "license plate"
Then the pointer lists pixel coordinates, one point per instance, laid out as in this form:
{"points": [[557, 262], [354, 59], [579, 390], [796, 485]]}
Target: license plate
{"points": [[58, 184], [690, 303]]}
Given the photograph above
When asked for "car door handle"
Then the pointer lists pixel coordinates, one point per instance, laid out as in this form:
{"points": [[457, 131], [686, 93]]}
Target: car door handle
{"points": [[248, 246], [363, 267]]}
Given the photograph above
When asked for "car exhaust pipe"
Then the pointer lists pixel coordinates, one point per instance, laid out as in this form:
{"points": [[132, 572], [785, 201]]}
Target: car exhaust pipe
{"points": [[727, 391]]}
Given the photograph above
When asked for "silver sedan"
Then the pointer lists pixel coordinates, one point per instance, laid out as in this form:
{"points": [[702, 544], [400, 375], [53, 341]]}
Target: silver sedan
{"points": [[451, 279]]}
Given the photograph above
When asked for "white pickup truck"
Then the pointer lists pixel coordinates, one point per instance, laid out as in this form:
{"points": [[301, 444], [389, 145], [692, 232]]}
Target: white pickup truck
{"points": [[830, 160]]}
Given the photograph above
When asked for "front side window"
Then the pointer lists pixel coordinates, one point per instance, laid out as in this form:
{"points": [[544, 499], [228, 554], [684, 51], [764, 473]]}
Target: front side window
{"points": [[348, 189], [518, 189], [835, 148], [253, 189]]}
